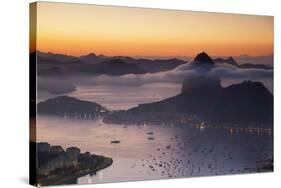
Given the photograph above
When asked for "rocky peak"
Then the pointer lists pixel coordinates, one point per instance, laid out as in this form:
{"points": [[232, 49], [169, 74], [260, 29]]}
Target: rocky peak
{"points": [[203, 58]]}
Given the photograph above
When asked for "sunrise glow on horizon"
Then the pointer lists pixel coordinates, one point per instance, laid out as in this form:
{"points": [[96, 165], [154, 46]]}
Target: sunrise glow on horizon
{"points": [[77, 29]]}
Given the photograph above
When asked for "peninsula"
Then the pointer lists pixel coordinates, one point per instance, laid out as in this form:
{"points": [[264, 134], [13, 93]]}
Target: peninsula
{"points": [[57, 166]]}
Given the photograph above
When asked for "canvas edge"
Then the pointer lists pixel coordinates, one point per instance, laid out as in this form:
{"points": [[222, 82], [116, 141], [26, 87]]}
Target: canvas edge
{"points": [[32, 93]]}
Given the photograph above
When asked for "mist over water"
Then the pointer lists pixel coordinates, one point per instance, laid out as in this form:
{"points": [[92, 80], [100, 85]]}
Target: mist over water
{"points": [[125, 97]]}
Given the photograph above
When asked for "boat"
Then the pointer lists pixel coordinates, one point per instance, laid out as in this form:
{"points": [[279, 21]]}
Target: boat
{"points": [[115, 141]]}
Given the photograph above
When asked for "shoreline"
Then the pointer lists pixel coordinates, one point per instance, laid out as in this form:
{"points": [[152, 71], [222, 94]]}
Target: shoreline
{"points": [[72, 177], [58, 166]]}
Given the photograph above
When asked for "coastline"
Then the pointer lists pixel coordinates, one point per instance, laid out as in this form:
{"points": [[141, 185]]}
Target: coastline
{"points": [[58, 166], [70, 178]]}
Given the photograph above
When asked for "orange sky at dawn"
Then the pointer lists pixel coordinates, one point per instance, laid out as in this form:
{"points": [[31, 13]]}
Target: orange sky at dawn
{"points": [[78, 29]]}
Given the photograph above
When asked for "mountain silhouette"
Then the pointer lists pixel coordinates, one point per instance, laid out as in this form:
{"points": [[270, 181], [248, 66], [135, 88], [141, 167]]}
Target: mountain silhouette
{"points": [[70, 106], [233, 62], [50, 57], [100, 64], [117, 66], [229, 60], [203, 96], [66, 65], [200, 84], [90, 58], [203, 58]]}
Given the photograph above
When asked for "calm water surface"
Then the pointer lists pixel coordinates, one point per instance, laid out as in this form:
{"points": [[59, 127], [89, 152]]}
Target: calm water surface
{"points": [[156, 152]]}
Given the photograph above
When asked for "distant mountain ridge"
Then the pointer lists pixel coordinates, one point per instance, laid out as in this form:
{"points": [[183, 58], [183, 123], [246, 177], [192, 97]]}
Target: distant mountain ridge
{"points": [[52, 64], [233, 62], [94, 64], [229, 60], [114, 66]]}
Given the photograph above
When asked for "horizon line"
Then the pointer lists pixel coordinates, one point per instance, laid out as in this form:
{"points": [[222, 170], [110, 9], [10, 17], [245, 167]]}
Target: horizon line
{"points": [[150, 56]]}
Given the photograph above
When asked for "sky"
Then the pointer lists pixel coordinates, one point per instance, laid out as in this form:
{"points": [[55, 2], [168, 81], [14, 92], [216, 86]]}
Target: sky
{"points": [[79, 29]]}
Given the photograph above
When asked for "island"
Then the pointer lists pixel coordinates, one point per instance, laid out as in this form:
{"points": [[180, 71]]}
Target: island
{"points": [[57, 166]]}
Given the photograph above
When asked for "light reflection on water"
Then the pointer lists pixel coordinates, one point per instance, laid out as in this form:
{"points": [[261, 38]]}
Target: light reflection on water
{"points": [[173, 152]]}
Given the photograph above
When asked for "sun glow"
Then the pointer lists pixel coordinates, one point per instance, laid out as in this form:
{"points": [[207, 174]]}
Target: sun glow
{"points": [[78, 29]]}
